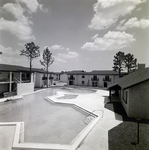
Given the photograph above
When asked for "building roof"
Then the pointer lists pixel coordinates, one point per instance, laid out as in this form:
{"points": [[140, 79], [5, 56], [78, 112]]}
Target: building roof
{"points": [[95, 72], [132, 79]]}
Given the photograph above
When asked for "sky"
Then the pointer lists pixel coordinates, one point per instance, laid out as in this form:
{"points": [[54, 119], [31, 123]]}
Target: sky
{"points": [[80, 34]]}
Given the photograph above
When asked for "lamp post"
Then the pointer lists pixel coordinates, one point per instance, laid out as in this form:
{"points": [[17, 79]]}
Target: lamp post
{"points": [[138, 135]]}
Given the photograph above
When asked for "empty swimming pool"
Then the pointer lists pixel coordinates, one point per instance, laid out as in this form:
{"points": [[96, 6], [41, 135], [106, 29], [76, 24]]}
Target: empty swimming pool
{"points": [[44, 122]]}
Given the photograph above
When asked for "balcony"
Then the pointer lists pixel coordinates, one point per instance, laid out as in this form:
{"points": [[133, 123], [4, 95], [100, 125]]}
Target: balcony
{"points": [[107, 79], [71, 78], [5, 80], [95, 79], [50, 78], [44, 78]]}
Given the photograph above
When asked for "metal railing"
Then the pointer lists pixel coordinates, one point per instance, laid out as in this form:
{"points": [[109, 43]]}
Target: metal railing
{"points": [[95, 79], [71, 78], [108, 79]]}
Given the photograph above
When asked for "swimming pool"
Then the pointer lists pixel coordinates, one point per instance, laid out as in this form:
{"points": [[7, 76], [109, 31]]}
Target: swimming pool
{"points": [[45, 122], [78, 90]]}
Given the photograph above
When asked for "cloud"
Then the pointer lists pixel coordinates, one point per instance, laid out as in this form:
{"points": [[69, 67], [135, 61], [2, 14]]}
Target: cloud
{"points": [[69, 55], [21, 26], [108, 12], [10, 56], [57, 47], [134, 22], [8, 51], [15, 9], [111, 41], [59, 60], [63, 57], [32, 5], [94, 37]]}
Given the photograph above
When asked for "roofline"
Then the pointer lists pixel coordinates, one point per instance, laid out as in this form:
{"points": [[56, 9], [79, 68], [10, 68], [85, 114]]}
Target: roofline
{"points": [[135, 84], [108, 72]]}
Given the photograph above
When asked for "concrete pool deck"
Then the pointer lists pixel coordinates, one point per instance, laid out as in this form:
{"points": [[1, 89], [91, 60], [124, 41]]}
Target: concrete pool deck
{"points": [[93, 102]]}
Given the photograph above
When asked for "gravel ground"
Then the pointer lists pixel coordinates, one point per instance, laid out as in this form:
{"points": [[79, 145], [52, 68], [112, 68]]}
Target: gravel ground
{"points": [[124, 136]]}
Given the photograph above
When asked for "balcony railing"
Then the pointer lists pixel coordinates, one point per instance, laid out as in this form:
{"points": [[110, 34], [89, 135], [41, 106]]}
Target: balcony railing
{"points": [[95, 79], [5, 80], [71, 78], [50, 78], [108, 79]]}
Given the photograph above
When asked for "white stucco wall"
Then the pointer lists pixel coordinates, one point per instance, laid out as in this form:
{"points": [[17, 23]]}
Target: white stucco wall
{"points": [[24, 88], [63, 77], [88, 82], [38, 80]]}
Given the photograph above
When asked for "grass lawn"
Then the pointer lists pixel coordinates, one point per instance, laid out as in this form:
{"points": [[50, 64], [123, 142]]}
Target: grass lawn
{"points": [[122, 136]]}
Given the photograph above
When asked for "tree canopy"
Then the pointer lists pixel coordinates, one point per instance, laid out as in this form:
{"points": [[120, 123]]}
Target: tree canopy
{"points": [[130, 62], [123, 62], [118, 62]]}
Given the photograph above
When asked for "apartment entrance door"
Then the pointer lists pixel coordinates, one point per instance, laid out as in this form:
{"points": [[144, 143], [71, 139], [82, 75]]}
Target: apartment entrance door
{"points": [[70, 82]]}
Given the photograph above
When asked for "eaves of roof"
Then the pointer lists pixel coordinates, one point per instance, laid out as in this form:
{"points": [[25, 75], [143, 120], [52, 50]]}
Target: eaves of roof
{"points": [[132, 79], [102, 72]]}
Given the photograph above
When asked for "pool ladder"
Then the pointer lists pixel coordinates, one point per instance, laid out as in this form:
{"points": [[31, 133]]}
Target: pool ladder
{"points": [[91, 116], [88, 119]]}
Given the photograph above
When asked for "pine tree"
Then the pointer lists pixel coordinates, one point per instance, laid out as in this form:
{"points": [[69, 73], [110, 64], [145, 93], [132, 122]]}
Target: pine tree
{"points": [[47, 60], [118, 62], [130, 62], [31, 51]]}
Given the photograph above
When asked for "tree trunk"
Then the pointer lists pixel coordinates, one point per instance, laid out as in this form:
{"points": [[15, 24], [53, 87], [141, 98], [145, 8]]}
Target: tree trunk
{"points": [[119, 71], [128, 70], [47, 76], [30, 69]]}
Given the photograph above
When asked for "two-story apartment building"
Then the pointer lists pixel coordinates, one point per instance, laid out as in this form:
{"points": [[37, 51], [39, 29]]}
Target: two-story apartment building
{"points": [[11, 76], [101, 78]]}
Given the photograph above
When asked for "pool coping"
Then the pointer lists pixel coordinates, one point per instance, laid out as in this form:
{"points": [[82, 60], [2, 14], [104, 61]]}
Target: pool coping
{"points": [[18, 141]]}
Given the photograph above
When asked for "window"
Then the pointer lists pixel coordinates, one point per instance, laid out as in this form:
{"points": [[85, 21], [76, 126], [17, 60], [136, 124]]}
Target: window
{"points": [[23, 75], [83, 76], [107, 78], [95, 77], [28, 75], [83, 82], [125, 96]]}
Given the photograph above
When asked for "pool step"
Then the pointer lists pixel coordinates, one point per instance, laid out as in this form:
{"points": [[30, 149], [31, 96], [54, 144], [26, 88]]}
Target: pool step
{"points": [[88, 119]]}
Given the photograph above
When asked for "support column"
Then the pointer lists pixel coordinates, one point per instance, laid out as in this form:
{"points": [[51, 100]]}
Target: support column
{"points": [[10, 83], [20, 77], [110, 94], [32, 77]]}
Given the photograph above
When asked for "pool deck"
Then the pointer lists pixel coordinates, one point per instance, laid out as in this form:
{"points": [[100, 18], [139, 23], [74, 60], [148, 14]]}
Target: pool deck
{"points": [[97, 139]]}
